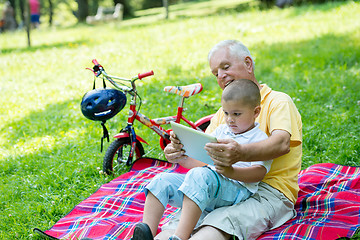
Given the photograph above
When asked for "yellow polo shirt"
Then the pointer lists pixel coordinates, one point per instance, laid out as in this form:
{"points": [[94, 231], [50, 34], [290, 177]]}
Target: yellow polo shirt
{"points": [[278, 112]]}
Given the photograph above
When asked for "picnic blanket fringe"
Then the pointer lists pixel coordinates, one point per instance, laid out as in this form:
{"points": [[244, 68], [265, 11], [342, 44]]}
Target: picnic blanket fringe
{"points": [[328, 205]]}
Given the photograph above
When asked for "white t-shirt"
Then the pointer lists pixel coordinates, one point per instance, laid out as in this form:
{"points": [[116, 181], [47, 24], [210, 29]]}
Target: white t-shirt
{"points": [[251, 136]]}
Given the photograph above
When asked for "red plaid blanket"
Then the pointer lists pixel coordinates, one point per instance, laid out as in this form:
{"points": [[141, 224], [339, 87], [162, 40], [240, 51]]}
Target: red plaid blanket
{"points": [[328, 206]]}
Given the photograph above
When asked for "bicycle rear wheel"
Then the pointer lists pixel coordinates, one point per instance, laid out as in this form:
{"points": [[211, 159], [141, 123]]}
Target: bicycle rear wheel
{"points": [[204, 125], [117, 155]]}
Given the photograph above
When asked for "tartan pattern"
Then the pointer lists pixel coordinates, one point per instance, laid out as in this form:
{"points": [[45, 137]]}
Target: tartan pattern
{"points": [[328, 206], [114, 209]]}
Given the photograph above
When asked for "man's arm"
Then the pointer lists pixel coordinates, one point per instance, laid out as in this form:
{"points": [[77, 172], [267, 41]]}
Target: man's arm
{"points": [[227, 151]]}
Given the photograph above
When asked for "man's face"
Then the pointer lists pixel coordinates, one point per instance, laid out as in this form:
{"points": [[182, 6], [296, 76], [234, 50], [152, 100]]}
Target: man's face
{"points": [[227, 68]]}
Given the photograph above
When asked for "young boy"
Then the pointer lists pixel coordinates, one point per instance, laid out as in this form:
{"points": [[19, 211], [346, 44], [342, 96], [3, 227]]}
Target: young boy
{"points": [[206, 188]]}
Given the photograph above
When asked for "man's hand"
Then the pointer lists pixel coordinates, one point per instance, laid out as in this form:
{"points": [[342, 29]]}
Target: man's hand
{"points": [[225, 152], [173, 151]]}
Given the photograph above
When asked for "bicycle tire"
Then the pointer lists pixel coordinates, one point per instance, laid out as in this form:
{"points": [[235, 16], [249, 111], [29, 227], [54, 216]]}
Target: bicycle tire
{"points": [[204, 125], [118, 156]]}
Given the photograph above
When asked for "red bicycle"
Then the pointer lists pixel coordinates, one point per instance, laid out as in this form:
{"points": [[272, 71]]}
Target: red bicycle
{"points": [[128, 143]]}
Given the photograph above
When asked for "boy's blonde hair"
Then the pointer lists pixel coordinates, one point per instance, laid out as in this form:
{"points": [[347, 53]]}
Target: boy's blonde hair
{"points": [[242, 90]]}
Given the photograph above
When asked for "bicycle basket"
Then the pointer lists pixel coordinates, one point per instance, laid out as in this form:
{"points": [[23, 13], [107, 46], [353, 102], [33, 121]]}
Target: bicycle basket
{"points": [[102, 104]]}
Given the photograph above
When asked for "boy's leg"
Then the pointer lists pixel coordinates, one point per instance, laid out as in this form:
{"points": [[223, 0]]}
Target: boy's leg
{"points": [[209, 232], [153, 211], [162, 190], [205, 189], [199, 187], [189, 217]]}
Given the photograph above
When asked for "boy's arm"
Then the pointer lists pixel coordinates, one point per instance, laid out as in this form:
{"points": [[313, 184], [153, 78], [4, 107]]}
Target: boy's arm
{"points": [[190, 163], [251, 174]]}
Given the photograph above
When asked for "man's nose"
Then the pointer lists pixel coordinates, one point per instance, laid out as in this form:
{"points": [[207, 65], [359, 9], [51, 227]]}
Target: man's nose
{"points": [[221, 74]]}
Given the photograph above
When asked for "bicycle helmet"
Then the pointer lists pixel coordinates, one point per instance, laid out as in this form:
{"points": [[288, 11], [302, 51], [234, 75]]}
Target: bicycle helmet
{"points": [[102, 104]]}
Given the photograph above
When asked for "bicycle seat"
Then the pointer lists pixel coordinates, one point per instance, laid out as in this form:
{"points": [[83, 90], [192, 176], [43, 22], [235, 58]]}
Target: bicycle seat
{"points": [[185, 91]]}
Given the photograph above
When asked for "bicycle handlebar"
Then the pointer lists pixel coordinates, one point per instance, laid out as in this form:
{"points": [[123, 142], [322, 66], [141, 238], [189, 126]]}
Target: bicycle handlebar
{"points": [[98, 70], [139, 76], [95, 62], [143, 75]]}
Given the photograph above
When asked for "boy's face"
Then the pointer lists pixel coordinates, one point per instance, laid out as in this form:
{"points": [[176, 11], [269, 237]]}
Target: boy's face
{"points": [[238, 116]]}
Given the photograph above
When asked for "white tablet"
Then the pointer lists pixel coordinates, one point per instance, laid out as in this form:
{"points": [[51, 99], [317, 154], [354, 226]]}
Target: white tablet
{"points": [[194, 142]]}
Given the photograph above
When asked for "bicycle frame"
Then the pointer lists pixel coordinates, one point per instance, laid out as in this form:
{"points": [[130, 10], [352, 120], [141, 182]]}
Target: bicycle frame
{"points": [[134, 114], [153, 124]]}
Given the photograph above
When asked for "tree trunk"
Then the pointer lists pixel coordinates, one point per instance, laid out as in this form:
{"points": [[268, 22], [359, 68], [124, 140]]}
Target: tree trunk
{"points": [[26, 18], [83, 10], [51, 12], [22, 10], [166, 6], [94, 5], [13, 5]]}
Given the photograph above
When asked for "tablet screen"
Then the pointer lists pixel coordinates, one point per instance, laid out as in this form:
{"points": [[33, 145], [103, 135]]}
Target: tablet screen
{"points": [[194, 142]]}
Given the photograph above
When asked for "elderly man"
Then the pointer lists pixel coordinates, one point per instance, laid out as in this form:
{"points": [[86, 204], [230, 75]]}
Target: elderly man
{"points": [[274, 203]]}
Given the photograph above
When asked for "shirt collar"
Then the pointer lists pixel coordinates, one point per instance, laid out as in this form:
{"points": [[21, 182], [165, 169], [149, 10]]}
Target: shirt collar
{"points": [[246, 134], [265, 90]]}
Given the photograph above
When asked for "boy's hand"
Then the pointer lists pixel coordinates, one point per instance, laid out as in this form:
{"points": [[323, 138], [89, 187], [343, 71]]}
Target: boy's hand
{"points": [[226, 171], [173, 151]]}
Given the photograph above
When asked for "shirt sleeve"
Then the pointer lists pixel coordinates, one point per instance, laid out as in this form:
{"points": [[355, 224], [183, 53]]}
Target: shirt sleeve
{"points": [[267, 164], [284, 116]]}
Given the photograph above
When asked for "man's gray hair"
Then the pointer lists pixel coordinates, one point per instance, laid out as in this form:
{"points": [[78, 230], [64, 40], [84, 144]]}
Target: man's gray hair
{"points": [[236, 48]]}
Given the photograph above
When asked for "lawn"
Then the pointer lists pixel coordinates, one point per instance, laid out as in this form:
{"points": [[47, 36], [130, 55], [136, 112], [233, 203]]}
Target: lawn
{"points": [[49, 152]]}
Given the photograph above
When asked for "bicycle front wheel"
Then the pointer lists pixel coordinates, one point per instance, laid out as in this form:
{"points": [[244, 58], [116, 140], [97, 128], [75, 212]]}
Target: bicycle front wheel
{"points": [[117, 154]]}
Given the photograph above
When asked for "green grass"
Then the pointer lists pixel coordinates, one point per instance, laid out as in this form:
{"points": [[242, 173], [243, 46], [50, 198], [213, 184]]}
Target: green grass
{"points": [[49, 152]]}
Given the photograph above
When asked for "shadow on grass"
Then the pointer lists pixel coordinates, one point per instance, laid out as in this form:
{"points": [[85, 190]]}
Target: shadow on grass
{"points": [[312, 57], [301, 8], [325, 69], [193, 9], [55, 120], [42, 47], [320, 68], [65, 174], [321, 75], [298, 9], [188, 6], [50, 121], [319, 71], [188, 11], [204, 11]]}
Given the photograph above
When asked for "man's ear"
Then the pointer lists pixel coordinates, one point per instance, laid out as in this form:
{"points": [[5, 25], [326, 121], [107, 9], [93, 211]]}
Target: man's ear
{"points": [[249, 64], [257, 111]]}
